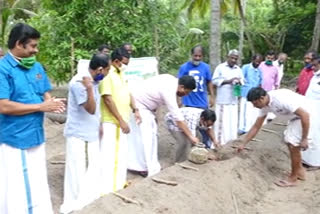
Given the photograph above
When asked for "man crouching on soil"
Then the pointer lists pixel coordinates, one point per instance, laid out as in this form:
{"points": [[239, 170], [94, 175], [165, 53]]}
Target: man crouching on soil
{"points": [[296, 136]]}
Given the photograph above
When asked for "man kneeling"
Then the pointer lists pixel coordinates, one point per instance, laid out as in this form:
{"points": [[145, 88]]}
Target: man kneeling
{"points": [[195, 118], [298, 132]]}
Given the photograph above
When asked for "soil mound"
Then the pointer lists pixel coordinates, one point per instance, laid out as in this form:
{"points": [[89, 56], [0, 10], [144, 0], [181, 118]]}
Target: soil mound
{"points": [[239, 183]]}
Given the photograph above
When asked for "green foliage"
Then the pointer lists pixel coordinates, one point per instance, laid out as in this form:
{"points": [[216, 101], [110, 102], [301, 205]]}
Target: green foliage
{"points": [[158, 28], [148, 25]]}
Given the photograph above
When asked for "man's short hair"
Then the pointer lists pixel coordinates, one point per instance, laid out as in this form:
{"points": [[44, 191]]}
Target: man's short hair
{"points": [[126, 43], [256, 93], [209, 114], [233, 52], [116, 54], [104, 46], [124, 53], [99, 60], [23, 33], [314, 54], [188, 82], [317, 59], [256, 56], [270, 53], [196, 47]]}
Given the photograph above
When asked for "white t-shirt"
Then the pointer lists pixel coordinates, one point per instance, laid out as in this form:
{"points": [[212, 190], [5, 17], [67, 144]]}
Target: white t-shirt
{"points": [[225, 92], [285, 102], [313, 91]]}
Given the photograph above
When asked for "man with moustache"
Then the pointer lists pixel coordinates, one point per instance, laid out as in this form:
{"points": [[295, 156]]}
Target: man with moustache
{"points": [[24, 97]]}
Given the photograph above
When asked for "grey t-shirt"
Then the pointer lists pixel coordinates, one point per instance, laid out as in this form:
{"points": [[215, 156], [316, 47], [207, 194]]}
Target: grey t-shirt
{"points": [[80, 123]]}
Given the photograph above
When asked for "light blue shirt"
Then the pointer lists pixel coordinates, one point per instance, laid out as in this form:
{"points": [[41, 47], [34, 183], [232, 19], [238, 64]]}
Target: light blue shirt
{"points": [[25, 86], [80, 123], [253, 78]]}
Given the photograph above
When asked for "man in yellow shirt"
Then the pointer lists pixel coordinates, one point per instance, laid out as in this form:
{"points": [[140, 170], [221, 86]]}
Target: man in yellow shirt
{"points": [[116, 105]]}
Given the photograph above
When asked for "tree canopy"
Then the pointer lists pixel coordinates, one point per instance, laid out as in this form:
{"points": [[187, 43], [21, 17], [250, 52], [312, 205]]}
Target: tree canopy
{"points": [[73, 29]]}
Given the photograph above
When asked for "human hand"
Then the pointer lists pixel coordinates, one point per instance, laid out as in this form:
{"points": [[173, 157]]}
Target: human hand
{"points": [[87, 82], [241, 146], [100, 131], [304, 144], [235, 80], [211, 101], [56, 105], [137, 116], [217, 145], [124, 127], [194, 140]]}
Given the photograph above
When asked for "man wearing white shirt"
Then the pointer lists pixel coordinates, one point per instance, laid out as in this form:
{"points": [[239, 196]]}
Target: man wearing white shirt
{"points": [[82, 170], [311, 157], [279, 63], [227, 77], [298, 132]]}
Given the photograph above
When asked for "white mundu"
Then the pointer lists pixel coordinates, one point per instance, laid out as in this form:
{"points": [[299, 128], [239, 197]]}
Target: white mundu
{"points": [[143, 142], [23, 175], [248, 115], [311, 156], [226, 126]]}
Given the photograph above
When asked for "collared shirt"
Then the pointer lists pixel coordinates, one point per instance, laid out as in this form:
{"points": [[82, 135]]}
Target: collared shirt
{"points": [[20, 85], [252, 78], [115, 85], [304, 78], [285, 102], [202, 74], [156, 91], [269, 76], [280, 68], [225, 92], [191, 117], [80, 123], [313, 91]]}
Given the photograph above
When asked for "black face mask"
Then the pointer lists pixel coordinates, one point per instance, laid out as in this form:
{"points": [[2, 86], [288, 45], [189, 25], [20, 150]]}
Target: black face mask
{"points": [[255, 65]]}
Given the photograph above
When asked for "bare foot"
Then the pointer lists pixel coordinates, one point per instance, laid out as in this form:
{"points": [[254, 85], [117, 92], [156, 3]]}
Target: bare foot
{"points": [[288, 182]]}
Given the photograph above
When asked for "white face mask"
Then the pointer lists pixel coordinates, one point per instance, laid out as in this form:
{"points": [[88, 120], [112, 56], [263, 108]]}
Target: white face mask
{"points": [[196, 63]]}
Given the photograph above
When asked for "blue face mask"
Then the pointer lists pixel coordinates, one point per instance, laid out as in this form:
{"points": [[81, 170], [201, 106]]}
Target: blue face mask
{"points": [[308, 66], [98, 77]]}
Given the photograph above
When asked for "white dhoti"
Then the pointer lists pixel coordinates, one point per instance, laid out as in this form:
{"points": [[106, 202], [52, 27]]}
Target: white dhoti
{"points": [[226, 124], [23, 181], [114, 150], [248, 115], [143, 144], [82, 174], [311, 156]]}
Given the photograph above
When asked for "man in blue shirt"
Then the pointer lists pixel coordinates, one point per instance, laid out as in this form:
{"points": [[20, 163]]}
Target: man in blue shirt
{"points": [[24, 97], [253, 78], [82, 171], [198, 98]]}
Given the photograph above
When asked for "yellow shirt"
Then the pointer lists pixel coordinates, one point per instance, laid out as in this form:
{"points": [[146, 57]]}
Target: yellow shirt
{"points": [[114, 84]]}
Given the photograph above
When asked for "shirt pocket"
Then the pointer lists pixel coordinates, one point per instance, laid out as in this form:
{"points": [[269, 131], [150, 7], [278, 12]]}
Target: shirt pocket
{"points": [[39, 85]]}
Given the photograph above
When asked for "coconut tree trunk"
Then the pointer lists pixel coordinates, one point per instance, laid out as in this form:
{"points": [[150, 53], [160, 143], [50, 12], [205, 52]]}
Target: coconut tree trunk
{"points": [[215, 36], [244, 21], [241, 39], [316, 30]]}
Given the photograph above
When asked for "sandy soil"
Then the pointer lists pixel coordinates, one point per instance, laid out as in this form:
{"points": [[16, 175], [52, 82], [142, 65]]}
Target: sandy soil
{"points": [[237, 184]]}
